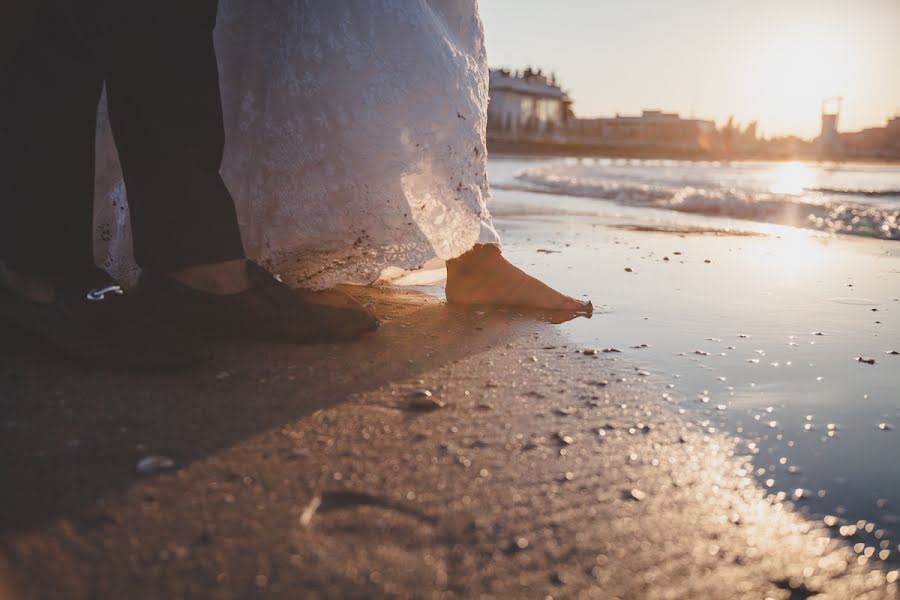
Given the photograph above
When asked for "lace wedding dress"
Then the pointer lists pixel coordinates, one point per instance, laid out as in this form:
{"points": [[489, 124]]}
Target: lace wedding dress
{"points": [[354, 137]]}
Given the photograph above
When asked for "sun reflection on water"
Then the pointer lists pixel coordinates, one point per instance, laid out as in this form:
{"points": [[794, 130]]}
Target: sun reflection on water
{"points": [[792, 250], [792, 178]]}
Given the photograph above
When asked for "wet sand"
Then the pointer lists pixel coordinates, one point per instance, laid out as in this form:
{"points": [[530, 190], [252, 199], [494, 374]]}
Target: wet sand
{"points": [[785, 337], [323, 472]]}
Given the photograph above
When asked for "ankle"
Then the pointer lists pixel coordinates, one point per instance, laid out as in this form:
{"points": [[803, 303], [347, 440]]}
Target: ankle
{"points": [[222, 278], [474, 261], [33, 288]]}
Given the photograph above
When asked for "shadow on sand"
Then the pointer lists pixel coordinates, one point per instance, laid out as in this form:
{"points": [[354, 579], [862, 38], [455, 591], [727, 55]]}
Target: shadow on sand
{"points": [[72, 436]]}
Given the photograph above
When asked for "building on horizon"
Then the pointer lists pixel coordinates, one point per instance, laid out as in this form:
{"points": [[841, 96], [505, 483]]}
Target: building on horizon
{"points": [[873, 143], [651, 129], [529, 112], [829, 141], [526, 105], [528, 108]]}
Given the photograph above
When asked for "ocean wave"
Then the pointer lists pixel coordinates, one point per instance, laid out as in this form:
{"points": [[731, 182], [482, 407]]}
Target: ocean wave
{"points": [[783, 209], [853, 192]]}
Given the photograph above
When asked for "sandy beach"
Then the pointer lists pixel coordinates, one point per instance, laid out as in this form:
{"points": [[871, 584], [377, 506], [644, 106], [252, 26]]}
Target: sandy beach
{"points": [[314, 473], [534, 470]]}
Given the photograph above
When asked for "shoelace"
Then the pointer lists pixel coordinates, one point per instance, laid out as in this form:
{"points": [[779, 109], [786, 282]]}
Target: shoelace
{"points": [[99, 294]]}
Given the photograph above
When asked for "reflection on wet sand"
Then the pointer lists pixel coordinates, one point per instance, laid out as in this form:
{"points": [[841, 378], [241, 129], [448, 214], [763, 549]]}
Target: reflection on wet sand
{"points": [[538, 469], [781, 338]]}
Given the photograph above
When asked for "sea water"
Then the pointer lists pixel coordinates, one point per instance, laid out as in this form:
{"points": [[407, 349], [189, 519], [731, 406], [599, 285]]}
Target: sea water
{"points": [[857, 199], [754, 321]]}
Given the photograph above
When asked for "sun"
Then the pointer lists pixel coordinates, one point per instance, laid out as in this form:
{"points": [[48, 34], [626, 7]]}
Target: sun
{"points": [[792, 178], [794, 71]]}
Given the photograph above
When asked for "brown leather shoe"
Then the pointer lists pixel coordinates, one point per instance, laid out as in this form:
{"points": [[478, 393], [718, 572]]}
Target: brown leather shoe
{"points": [[94, 322], [268, 311]]}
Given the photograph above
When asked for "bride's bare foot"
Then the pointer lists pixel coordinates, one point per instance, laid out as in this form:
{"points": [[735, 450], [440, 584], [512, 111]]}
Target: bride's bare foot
{"points": [[483, 276]]}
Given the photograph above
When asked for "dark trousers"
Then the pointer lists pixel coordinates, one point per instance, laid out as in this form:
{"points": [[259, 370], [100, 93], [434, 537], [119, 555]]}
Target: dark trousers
{"points": [[157, 61]]}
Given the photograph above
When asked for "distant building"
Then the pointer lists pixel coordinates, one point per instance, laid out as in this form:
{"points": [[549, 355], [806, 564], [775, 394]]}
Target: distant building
{"points": [[829, 140], [525, 105], [652, 128], [876, 143]]}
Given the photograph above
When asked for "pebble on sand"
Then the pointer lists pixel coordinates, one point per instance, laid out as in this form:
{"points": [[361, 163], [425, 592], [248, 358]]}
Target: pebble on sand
{"points": [[868, 361], [885, 426], [637, 494], [310, 510], [565, 439], [424, 400], [629, 270], [153, 464]]}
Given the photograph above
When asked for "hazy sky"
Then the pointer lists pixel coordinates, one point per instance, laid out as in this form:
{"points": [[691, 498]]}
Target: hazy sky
{"points": [[769, 60]]}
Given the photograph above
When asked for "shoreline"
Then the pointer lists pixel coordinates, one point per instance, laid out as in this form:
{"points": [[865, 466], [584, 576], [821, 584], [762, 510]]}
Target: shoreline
{"points": [[320, 472], [549, 150], [305, 471]]}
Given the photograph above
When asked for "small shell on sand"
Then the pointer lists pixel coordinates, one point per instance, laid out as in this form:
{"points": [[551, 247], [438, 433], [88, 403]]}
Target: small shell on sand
{"points": [[153, 464]]}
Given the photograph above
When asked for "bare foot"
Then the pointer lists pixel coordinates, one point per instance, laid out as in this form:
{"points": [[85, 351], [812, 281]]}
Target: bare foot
{"points": [[483, 276]]}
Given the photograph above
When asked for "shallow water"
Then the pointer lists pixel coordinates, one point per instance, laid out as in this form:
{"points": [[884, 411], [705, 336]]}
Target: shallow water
{"points": [[856, 199], [758, 336]]}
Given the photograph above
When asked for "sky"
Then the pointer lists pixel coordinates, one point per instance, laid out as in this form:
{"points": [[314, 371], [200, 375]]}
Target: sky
{"points": [[772, 61]]}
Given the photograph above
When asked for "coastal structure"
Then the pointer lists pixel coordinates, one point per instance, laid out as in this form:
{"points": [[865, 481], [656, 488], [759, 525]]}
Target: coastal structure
{"points": [[526, 105], [652, 128], [829, 140], [529, 112], [873, 143]]}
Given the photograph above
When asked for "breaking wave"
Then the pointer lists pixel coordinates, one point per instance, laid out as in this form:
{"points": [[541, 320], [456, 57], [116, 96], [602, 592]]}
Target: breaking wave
{"points": [[852, 192], [815, 208]]}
